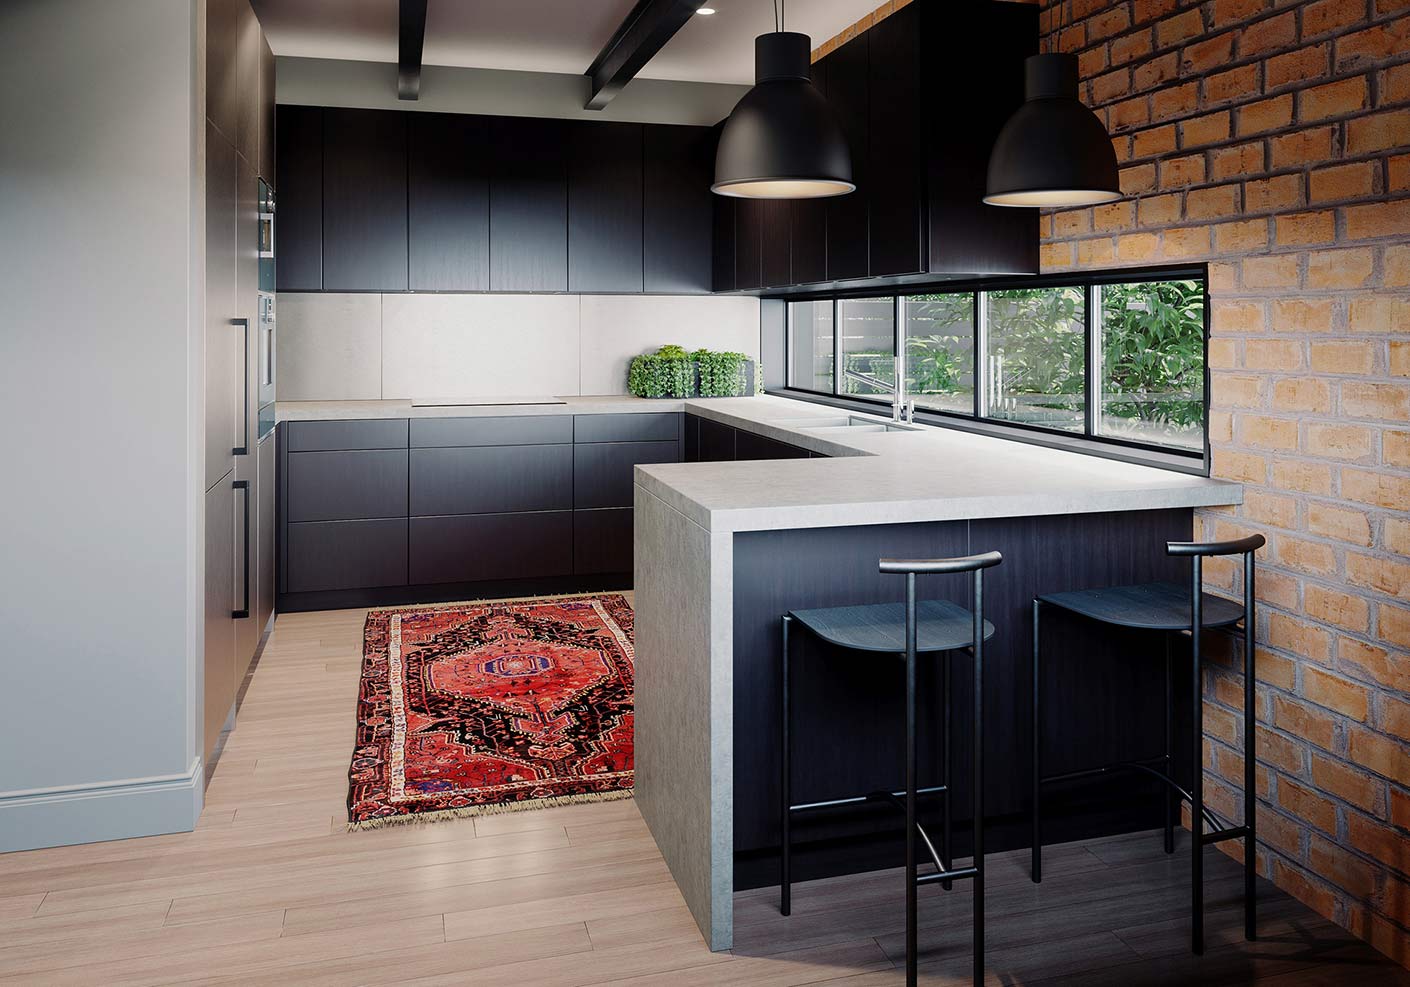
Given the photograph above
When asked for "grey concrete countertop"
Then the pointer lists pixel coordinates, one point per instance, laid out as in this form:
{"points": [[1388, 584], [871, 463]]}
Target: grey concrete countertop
{"points": [[886, 477], [611, 404]]}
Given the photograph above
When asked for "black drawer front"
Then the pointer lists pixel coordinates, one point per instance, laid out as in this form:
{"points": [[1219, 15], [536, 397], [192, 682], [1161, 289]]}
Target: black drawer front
{"points": [[602, 541], [491, 546], [340, 486], [716, 442], [329, 555], [602, 472], [501, 431], [491, 480], [747, 445], [652, 427], [389, 433]]}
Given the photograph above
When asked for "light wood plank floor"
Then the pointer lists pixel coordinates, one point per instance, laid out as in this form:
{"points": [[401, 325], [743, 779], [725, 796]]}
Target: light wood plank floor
{"points": [[271, 889]]}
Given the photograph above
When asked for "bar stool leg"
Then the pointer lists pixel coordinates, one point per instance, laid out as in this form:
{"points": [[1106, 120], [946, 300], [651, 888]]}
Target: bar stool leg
{"points": [[1197, 767], [978, 777], [1250, 785], [946, 857], [1036, 869], [785, 881], [1169, 765], [910, 779]]}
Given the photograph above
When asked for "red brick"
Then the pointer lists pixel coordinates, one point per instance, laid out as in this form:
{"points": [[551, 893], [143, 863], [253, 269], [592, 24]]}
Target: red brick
{"points": [[1277, 194], [1306, 556], [1339, 268], [1208, 129], [1368, 661], [1332, 606], [1307, 805], [1382, 490], [1138, 179], [1231, 85], [1238, 161], [1342, 356], [1394, 624], [1313, 893], [1155, 72], [1130, 47], [1301, 229], [1349, 181], [1333, 100], [1268, 35], [1302, 314], [1174, 101], [1335, 692], [1331, 440], [1183, 171], [1340, 524], [1313, 478], [1304, 147], [1374, 44], [1351, 873], [1128, 114], [1159, 210], [1296, 67], [1113, 85], [1302, 394], [1153, 142], [1265, 115], [1382, 755], [1226, 12], [1217, 202], [1347, 783], [1181, 27], [1379, 219], [1378, 132], [1109, 22], [1367, 399], [1271, 271], [1395, 84], [1328, 15]]}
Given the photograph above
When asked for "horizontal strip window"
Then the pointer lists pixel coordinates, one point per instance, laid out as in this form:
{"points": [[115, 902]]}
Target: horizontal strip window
{"points": [[1112, 363]]}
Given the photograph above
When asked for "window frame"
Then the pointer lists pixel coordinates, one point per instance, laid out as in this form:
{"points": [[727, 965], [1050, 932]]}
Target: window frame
{"points": [[1088, 441]]}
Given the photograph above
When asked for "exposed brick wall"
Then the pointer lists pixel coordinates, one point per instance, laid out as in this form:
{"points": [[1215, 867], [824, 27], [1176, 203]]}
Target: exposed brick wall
{"points": [[1272, 139]]}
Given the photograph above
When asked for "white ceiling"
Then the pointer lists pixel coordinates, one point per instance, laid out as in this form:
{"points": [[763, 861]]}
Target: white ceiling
{"points": [[543, 35]]}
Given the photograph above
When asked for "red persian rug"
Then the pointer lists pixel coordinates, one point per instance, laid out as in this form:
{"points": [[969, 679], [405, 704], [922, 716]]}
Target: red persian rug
{"points": [[486, 707]]}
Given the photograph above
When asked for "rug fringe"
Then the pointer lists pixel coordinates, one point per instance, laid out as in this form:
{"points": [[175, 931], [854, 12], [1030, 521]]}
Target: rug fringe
{"points": [[498, 599], [491, 809]]}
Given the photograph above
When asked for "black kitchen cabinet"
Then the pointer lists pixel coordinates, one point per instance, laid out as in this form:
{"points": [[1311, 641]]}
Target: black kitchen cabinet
{"points": [[716, 442], [528, 204], [364, 200], [678, 165], [349, 485], [602, 541], [895, 146], [775, 235], [298, 180], [709, 441], [345, 555], [602, 471], [749, 243], [847, 215], [491, 479], [749, 445], [478, 547], [723, 251], [808, 220], [605, 207], [448, 202]]}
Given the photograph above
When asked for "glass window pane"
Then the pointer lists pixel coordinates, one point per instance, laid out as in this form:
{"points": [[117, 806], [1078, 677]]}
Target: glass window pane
{"points": [[868, 330], [1151, 385], [1036, 356], [810, 342], [940, 351]]}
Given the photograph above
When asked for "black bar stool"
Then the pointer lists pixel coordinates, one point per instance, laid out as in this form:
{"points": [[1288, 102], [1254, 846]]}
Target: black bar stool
{"points": [[1168, 607], [907, 630]]}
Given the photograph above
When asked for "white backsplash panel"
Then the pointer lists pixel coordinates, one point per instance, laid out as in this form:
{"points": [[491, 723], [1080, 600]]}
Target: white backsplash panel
{"points": [[353, 347]]}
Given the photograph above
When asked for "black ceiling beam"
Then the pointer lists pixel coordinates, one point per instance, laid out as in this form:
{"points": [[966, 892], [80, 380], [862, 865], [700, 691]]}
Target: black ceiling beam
{"points": [[636, 41], [411, 38]]}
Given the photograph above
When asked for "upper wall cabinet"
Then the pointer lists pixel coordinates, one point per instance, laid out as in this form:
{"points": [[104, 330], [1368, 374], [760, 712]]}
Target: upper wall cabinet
{"points": [[604, 207], [374, 200], [364, 200], [448, 202], [266, 111], [919, 158]]}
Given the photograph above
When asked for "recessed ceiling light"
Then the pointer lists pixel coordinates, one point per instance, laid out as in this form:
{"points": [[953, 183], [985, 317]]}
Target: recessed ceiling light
{"points": [[705, 11]]}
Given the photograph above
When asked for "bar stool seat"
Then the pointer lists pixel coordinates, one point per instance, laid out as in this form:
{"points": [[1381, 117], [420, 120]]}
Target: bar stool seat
{"points": [[1149, 606], [940, 626]]}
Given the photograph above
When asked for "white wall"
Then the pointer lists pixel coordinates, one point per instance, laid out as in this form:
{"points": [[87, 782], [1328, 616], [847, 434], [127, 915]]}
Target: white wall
{"points": [[100, 536], [373, 85], [397, 346]]}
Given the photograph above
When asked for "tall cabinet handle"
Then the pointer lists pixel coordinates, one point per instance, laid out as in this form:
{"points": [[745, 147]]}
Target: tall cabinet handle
{"points": [[244, 610], [243, 448]]}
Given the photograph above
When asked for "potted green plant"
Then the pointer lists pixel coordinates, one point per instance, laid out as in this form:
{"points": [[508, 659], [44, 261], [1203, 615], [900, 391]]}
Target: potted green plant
{"points": [[671, 372]]}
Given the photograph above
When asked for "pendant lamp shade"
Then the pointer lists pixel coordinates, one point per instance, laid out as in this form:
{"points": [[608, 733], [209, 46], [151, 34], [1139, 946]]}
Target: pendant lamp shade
{"points": [[1053, 151], [782, 141]]}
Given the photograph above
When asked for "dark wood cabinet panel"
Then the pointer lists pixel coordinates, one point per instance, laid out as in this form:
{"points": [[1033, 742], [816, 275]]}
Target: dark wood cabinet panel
{"points": [[330, 436], [448, 202], [895, 146], [604, 206], [247, 84], [333, 555], [966, 236], [490, 546], [602, 541], [267, 140], [222, 66], [602, 471], [364, 200], [808, 219], [338, 486], [678, 165], [749, 243], [723, 266], [748, 445], [298, 183], [491, 480], [627, 427], [690, 447], [847, 238], [716, 442], [528, 205], [777, 247], [508, 430]]}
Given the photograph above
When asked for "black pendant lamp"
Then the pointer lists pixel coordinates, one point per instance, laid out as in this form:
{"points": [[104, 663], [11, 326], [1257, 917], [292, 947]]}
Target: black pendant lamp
{"points": [[1053, 151], [782, 141]]}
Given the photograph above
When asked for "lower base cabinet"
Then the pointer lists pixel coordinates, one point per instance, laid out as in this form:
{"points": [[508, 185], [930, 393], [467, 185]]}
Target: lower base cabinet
{"points": [[331, 555], [473, 547], [602, 540]]}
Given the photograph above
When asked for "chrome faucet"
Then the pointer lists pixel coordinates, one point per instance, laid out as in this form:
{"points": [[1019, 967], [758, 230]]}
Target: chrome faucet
{"points": [[898, 392]]}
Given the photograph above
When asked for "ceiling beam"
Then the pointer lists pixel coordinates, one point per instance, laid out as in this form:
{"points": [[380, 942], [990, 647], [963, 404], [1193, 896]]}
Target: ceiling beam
{"points": [[412, 37], [644, 32]]}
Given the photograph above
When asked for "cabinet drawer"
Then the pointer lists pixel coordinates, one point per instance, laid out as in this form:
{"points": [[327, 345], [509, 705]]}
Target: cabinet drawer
{"points": [[491, 480], [330, 436], [602, 541], [716, 442], [652, 427], [491, 546], [326, 555], [602, 472], [748, 445], [504, 431], [344, 486]]}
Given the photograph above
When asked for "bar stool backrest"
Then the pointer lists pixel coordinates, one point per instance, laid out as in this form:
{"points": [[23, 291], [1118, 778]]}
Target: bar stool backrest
{"points": [[967, 563]]}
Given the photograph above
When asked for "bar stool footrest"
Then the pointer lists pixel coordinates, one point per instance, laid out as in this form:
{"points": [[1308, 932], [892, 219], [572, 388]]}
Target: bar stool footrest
{"points": [[957, 874], [1220, 835]]}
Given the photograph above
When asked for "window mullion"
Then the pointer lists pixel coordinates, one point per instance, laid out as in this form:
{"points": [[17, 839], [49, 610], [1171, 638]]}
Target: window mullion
{"points": [[981, 356], [1091, 389]]}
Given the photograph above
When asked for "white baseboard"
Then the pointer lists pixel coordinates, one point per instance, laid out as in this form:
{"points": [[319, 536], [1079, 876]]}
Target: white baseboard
{"points": [[113, 810]]}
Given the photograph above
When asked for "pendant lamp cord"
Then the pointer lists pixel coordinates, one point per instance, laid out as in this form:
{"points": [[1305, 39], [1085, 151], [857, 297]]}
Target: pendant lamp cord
{"points": [[780, 15]]}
